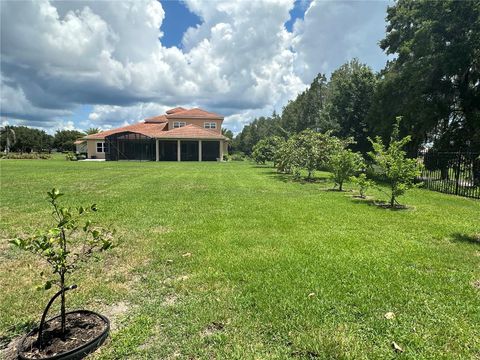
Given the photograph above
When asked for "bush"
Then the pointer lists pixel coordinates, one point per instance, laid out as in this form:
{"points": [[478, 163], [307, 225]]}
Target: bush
{"points": [[266, 149], [238, 156], [70, 156], [399, 171], [344, 164], [25, 156], [363, 184]]}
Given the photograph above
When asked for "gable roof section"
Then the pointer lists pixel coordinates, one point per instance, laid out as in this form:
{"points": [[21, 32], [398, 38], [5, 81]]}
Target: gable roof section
{"points": [[157, 119], [175, 110], [191, 132], [157, 130], [195, 113]]}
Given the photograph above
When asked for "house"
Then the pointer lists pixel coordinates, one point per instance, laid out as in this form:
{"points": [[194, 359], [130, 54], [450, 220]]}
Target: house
{"points": [[179, 135]]}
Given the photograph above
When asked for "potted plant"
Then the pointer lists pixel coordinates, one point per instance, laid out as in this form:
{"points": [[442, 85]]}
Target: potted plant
{"points": [[72, 241]]}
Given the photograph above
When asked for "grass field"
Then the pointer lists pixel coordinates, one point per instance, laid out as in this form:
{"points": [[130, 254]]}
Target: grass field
{"points": [[232, 261]]}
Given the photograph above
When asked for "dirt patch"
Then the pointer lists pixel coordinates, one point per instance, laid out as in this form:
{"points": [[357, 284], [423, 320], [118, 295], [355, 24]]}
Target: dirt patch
{"points": [[170, 300], [213, 328], [115, 312], [80, 329], [476, 284], [161, 229], [10, 352]]}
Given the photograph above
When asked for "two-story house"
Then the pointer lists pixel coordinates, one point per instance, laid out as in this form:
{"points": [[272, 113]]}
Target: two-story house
{"points": [[179, 135]]}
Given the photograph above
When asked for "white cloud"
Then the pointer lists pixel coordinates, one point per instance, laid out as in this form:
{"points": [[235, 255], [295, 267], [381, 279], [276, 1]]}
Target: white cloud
{"points": [[240, 61], [333, 33]]}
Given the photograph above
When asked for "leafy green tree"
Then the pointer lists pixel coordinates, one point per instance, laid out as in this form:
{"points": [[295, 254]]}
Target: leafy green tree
{"points": [[433, 79], [343, 164], [64, 139], [65, 246], [92, 130], [266, 149], [399, 171], [28, 139], [363, 184], [308, 150], [350, 94], [9, 136], [228, 133]]}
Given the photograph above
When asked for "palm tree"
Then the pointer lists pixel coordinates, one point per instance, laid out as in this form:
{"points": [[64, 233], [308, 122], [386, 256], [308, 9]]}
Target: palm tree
{"points": [[10, 137], [92, 131]]}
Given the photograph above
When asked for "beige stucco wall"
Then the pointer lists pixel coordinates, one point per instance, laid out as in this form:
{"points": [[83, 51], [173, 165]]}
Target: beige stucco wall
{"points": [[198, 122], [92, 149]]}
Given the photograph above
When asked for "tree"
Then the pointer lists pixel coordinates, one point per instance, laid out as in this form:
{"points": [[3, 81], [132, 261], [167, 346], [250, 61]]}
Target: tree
{"points": [[305, 112], [92, 130], [8, 133], [266, 149], [65, 246], [350, 94], [308, 150], [28, 139], [399, 171], [363, 184], [64, 139], [343, 164], [433, 79], [228, 133]]}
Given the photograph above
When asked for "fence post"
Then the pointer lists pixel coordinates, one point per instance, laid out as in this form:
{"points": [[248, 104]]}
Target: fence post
{"points": [[457, 173]]}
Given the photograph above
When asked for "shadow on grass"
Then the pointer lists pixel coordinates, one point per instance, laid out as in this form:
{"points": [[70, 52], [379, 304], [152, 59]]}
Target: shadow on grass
{"points": [[288, 178], [465, 238], [380, 204]]}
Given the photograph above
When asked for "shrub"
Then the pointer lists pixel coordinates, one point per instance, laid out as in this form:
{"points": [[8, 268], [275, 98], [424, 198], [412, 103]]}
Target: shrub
{"points": [[266, 149], [399, 171], [65, 245], [238, 156], [70, 156], [25, 156], [363, 184], [307, 150], [344, 164]]}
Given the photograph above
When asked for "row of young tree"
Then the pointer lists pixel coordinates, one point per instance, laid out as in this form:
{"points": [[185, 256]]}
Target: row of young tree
{"points": [[432, 81], [309, 151], [23, 139]]}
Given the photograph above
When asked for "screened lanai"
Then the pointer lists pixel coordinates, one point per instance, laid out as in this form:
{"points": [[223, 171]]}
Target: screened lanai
{"points": [[129, 146]]}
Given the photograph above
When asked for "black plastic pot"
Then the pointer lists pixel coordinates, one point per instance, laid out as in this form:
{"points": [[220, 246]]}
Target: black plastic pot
{"points": [[78, 352]]}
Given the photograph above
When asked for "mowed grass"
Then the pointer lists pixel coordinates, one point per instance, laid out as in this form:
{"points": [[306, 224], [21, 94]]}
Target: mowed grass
{"points": [[232, 261]]}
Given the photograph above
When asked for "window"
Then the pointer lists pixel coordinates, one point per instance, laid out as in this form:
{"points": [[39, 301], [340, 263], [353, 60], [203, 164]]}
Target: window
{"points": [[210, 125], [102, 147], [178, 124]]}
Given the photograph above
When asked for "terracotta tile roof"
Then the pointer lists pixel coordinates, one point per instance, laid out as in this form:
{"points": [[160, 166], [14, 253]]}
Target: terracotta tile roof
{"points": [[195, 113], [158, 130], [79, 141], [175, 110], [147, 129], [156, 119], [191, 132]]}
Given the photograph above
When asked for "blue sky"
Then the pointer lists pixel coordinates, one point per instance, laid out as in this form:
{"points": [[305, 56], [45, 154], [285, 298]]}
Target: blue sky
{"points": [[79, 64]]}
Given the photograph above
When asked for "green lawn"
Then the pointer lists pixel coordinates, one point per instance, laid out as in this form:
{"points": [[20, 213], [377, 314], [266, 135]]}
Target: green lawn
{"points": [[260, 246]]}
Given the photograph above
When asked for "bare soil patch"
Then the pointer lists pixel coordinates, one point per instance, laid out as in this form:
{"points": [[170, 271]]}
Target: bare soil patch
{"points": [[80, 329]]}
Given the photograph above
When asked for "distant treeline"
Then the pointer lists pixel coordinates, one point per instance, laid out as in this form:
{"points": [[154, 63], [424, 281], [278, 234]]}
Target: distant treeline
{"points": [[23, 139], [433, 83]]}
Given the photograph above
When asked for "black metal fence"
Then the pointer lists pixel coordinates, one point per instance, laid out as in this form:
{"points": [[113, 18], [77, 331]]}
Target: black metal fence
{"points": [[455, 173]]}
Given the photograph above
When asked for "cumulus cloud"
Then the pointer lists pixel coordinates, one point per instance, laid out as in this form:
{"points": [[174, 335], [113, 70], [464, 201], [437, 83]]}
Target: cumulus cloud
{"points": [[332, 33], [240, 61]]}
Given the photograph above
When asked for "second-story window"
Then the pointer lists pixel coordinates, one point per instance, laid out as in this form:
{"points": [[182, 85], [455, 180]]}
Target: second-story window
{"points": [[210, 125], [178, 124]]}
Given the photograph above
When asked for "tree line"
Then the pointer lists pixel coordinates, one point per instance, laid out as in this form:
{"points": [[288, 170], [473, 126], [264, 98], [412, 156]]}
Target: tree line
{"points": [[23, 139], [432, 82]]}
